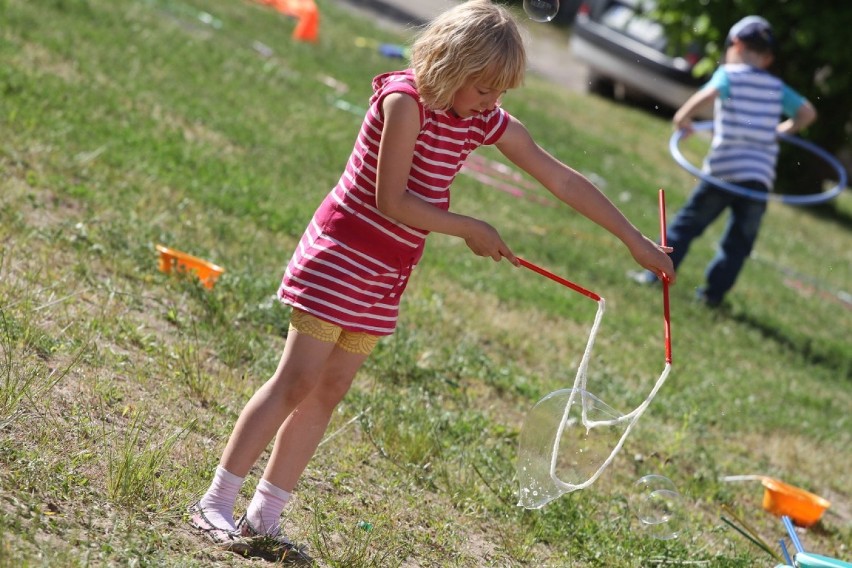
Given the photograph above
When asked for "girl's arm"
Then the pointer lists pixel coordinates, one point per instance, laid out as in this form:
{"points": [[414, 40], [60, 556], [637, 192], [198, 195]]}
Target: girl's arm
{"points": [[579, 193], [396, 152]]}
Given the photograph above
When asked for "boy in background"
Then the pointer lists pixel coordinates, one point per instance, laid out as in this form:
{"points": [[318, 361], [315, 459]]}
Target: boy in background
{"points": [[749, 106]]}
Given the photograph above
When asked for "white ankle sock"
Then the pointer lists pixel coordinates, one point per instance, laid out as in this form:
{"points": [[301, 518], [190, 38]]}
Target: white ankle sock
{"points": [[218, 502], [264, 511]]}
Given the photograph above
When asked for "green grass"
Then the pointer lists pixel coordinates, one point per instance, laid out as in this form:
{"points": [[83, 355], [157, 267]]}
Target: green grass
{"points": [[130, 123]]}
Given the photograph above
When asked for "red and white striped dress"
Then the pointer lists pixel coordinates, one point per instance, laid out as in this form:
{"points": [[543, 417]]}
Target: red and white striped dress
{"points": [[353, 263]]}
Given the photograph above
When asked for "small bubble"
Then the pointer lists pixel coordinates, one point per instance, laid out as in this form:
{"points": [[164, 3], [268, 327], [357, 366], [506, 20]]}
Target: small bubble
{"points": [[658, 506], [541, 10]]}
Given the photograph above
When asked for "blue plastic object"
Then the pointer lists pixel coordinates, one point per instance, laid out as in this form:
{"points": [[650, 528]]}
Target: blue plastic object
{"points": [[785, 552], [393, 50], [813, 199], [810, 560]]}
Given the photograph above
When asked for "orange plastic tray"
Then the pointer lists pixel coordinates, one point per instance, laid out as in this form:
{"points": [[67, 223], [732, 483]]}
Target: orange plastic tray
{"points": [[175, 260], [803, 507]]}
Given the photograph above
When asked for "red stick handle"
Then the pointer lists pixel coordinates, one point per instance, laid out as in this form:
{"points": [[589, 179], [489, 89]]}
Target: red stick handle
{"points": [[667, 325], [559, 279]]}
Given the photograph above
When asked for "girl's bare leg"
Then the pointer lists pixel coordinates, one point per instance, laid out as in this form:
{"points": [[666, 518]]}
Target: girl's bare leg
{"points": [[302, 362], [302, 431]]}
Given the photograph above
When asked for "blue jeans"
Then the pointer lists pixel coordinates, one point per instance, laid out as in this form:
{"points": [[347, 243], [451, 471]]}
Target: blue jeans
{"points": [[705, 204]]}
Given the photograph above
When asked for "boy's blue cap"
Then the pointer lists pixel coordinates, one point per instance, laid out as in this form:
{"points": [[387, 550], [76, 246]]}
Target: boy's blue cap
{"points": [[753, 31]]}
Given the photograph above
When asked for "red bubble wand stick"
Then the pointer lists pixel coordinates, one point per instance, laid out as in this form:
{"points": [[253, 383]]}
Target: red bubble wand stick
{"points": [[549, 466]]}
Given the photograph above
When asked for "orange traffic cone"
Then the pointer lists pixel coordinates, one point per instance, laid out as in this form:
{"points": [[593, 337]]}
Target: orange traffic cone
{"points": [[307, 29], [305, 11]]}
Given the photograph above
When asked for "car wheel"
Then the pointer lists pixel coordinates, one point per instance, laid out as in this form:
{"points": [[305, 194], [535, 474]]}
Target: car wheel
{"points": [[600, 85]]}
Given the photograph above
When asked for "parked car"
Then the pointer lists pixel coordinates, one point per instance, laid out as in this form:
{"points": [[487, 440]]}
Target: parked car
{"points": [[627, 53]]}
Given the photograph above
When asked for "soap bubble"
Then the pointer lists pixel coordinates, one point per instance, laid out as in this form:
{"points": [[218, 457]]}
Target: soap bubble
{"points": [[658, 506], [541, 10], [580, 452]]}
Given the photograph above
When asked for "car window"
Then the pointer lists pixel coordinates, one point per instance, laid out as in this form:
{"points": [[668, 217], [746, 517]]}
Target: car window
{"points": [[624, 17]]}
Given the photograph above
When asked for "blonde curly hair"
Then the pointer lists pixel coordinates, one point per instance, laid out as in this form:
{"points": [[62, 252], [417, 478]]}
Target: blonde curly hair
{"points": [[475, 41]]}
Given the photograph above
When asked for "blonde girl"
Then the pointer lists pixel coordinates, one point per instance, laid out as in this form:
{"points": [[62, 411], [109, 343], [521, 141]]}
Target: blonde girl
{"points": [[347, 275]]}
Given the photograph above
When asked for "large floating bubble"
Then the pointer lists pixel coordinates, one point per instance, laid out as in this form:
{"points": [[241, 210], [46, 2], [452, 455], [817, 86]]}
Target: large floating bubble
{"points": [[557, 452]]}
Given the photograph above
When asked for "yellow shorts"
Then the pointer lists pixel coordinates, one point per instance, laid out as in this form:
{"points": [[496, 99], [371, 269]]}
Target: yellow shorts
{"points": [[353, 341]]}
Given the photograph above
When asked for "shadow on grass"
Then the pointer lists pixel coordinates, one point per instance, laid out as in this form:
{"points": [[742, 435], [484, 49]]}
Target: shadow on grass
{"points": [[831, 214], [812, 351], [389, 10]]}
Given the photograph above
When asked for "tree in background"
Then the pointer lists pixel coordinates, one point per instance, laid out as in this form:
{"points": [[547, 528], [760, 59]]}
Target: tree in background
{"points": [[814, 57]]}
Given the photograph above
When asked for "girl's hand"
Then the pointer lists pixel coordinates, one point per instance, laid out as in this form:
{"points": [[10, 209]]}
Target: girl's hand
{"points": [[484, 240], [655, 258]]}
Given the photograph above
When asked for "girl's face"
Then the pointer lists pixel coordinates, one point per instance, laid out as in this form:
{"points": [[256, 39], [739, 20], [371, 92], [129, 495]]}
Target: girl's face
{"points": [[475, 97]]}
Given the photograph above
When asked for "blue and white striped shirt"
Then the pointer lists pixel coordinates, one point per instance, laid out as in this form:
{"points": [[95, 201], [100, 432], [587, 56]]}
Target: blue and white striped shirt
{"points": [[750, 105]]}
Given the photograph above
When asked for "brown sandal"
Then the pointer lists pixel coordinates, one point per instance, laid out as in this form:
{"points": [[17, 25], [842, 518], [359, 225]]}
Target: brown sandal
{"points": [[223, 538], [273, 547]]}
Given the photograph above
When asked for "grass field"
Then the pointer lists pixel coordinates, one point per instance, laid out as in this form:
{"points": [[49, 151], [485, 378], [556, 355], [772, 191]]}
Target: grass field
{"points": [[203, 126]]}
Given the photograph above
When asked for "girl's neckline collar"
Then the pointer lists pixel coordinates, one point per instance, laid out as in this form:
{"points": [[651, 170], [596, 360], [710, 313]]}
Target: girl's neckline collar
{"points": [[455, 118]]}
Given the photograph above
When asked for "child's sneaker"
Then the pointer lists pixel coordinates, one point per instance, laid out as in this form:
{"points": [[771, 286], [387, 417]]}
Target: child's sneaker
{"points": [[644, 277], [272, 547], [225, 539], [710, 301]]}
